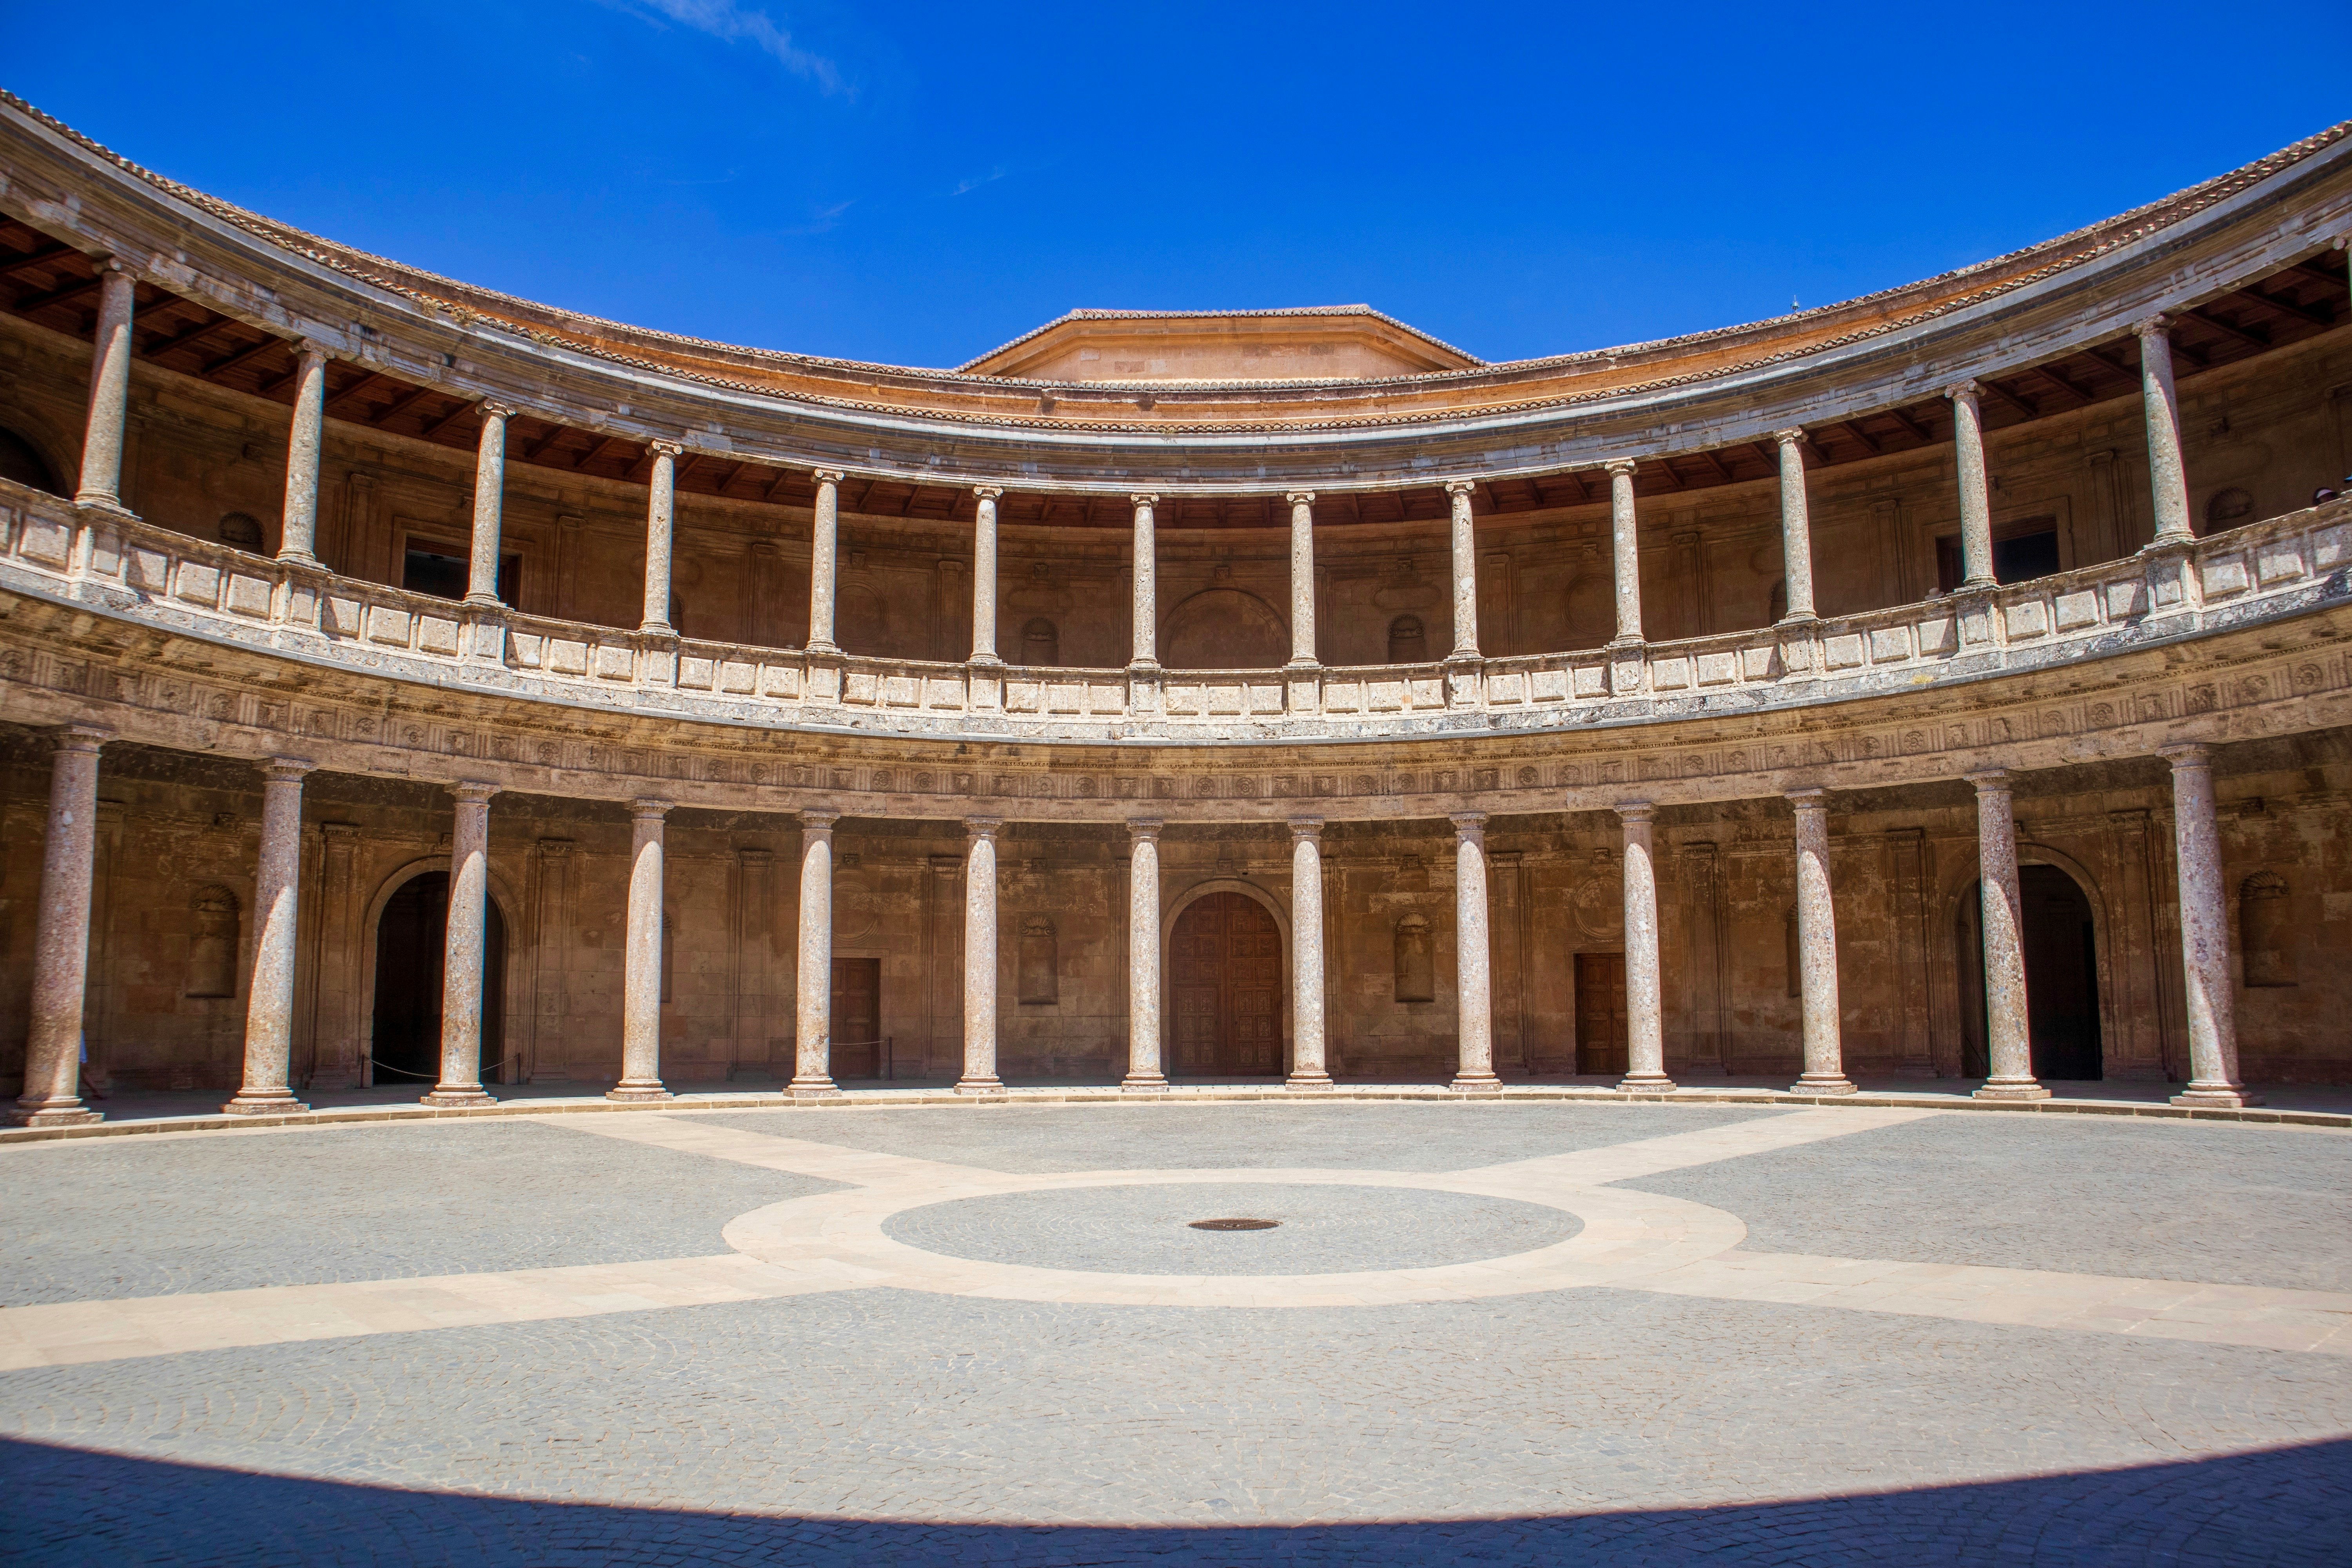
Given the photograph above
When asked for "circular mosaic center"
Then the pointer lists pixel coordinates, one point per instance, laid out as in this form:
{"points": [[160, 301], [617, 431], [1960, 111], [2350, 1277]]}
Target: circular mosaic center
{"points": [[1291, 1228]]}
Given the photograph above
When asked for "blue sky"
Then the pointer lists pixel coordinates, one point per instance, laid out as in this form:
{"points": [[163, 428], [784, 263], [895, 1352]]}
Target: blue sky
{"points": [[919, 183]]}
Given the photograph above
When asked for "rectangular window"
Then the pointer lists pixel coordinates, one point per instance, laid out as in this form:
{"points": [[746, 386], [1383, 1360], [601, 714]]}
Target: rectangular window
{"points": [[2020, 552], [444, 576]]}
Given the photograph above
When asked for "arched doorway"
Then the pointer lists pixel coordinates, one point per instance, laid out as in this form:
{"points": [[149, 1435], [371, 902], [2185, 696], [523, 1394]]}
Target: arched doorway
{"points": [[2061, 977], [411, 937], [1224, 967]]}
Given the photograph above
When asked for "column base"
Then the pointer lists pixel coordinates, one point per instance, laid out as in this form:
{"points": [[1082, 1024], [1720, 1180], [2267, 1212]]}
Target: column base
{"points": [[263, 1102], [457, 1097], [2011, 1088], [633, 1092], [2217, 1096], [1645, 1083], [1475, 1083], [991, 1084], [1304, 1081], [1143, 1083], [1823, 1083], [819, 1088], [53, 1113]]}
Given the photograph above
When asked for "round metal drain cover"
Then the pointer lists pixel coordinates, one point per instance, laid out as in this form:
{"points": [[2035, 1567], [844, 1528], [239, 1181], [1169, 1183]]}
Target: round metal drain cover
{"points": [[1234, 1224]]}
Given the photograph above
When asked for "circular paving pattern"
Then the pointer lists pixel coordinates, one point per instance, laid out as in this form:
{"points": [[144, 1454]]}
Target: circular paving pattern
{"points": [[1320, 1228]]}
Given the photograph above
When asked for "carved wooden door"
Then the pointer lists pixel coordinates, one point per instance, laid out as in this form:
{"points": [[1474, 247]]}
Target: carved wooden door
{"points": [[1600, 1012], [1225, 981]]}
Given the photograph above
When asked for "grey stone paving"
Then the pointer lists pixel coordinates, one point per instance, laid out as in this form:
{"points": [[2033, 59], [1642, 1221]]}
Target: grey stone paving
{"points": [[141, 1216], [1332, 1136], [1147, 1230], [2234, 1205]]}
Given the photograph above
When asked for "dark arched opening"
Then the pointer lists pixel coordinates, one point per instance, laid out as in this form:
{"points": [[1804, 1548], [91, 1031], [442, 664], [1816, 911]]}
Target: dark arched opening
{"points": [[411, 937], [2061, 978], [21, 462], [1225, 979]]}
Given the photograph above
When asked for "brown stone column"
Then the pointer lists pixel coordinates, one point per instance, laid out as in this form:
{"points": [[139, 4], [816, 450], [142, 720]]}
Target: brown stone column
{"points": [[1824, 1070], [983, 575], [2168, 473], [298, 540], [1302, 579], [980, 958], [825, 544], [489, 505], [812, 980], [109, 393], [661, 532], [1466, 571], [1308, 1067], [2008, 1039], [1144, 1074], [1645, 1003], [641, 978], [1146, 611], [1796, 527], [1624, 552], [1473, 958], [1975, 494], [52, 1094], [466, 952], [2204, 935], [270, 1002]]}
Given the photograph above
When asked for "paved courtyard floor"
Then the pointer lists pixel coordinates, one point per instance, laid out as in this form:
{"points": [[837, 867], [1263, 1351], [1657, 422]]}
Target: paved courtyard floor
{"points": [[1500, 1332]]}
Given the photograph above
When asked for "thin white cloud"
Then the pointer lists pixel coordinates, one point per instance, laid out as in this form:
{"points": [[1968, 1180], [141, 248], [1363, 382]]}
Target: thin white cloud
{"points": [[731, 23], [977, 181], [823, 220]]}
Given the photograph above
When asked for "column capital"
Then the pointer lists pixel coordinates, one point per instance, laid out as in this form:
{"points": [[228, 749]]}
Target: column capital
{"points": [[646, 809], [1616, 466], [2157, 326], [1988, 780], [1145, 829], [1144, 499], [987, 492], [828, 476], [80, 737], [1307, 828], [1789, 438], [753, 854], [1460, 487], [555, 848], [493, 409], [1299, 498], [666, 448], [473, 791], [1813, 797], [818, 820], [982, 827], [1466, 822], [1966, 392], [2187, 754], [285, 770], [1636, 810], [312, 348]]}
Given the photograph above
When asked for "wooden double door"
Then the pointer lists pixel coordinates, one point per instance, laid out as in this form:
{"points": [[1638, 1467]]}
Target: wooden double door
{"points": [[1225, 979]]}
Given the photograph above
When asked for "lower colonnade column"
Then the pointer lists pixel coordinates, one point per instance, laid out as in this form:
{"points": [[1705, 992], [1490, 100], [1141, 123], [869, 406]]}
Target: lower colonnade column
{"points": [[52, 1092], [983, 575], [1645, 1020], [813, 1024], [1302, 579], [109, 392], [277, 893], [661, 532], [1824, 1070], [1146, 612], [1309, 1068], [1796, 528], [1624, 552], [2167, 474], [641, 980], [2204, 935], [980, 958], [465, 959], [1473, 958], [489, 504], [298, 540], [2009, 1042], [1144, 1074], [1976, 496]]}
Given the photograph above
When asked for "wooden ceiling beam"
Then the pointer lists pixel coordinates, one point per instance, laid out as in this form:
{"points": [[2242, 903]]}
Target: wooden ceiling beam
{"points": [[432, 426], [11, 266], [366, 380], [2333, 280], [238, 357], [1672, 478], [31, 303], [2013, 399], [399, 405], [1869, 442], [2320, 314], [776, 484], [2049, 373], [2243, 334], [545, 443], [189, 338], [1926, 436], [1721, 472]]}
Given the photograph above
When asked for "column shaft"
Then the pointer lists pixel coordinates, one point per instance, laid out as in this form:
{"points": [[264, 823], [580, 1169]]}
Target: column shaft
{"points": [[641, 979], [1796, 527], [298, 540], [1302, 578], [979, 964], [813, 1030], [1975, 494], [466, 952], [1147, 587], [1625, 551], [2168, 473], [1824, 1068], [824, 528], [270, 1002], [109, 392], [1465, 573], [1308, 1057], [1143, 1069], [984, 577], [52, 1093], [489, 501], [1473, 957], [1646, 1010], [661, 529], [2204, 935], [2009, 1042]]}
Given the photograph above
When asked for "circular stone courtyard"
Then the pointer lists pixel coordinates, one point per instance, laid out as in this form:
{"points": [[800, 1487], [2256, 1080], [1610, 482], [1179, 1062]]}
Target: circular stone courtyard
{"points": [[1510, 1333]]}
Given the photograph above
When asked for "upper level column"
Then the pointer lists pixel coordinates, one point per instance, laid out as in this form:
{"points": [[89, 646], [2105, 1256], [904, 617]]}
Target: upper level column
{"points": [[983, 576], [2167, 474], [824, 528], [298, 540], [661, 510], [109, 392], [1976, 496], [1796, 527], [1625, 553], [1465, 573], [1147, 586], [489, 500], [1302, 579]]}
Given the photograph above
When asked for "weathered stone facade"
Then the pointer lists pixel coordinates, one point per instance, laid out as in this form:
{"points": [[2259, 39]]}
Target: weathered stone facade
{"points": [[702, 638]]}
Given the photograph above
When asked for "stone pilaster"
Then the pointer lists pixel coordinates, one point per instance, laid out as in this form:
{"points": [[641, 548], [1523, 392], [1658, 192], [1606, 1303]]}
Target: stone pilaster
{"points": [[269, 1003]]}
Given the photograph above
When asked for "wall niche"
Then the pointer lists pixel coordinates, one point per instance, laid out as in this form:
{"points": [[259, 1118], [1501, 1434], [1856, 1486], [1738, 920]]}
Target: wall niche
{"points": [[212, 943], [1039, 970], [1416, 965], [2265, 932]]}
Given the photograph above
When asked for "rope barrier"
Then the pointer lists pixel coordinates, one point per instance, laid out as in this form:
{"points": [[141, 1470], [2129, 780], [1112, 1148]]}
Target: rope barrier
{"points": [[381, 1066]]}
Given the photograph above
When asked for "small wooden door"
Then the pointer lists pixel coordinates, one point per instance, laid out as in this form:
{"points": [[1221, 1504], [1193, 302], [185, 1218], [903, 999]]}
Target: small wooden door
{"points": [[1600, 1012], [1225, 981], [857, 1017]]}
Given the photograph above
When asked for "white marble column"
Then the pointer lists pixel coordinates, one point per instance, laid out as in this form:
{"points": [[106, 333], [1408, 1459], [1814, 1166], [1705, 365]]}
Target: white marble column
{"points": [[2167, 474], [1646, 1005], [661, 537], [467, 952], [1144, 1073], [1474, 1001], [1976, 493], [1302, 579], [1308, 1055], [1625, 553], [2009, 1042], [813, 1030], [641, 976], [1464, 544], [269, 1001], [1824, 1070], [980, 958], [2204, 935], [489, 503], [52, 1094], [109, 392], [1796, 527], [824, 540], [983, 576], [298, 540], [1147, 586]]}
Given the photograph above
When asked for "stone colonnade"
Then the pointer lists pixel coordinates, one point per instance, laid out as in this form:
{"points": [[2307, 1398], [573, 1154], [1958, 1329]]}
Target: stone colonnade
{"points": [[51, 1093]]}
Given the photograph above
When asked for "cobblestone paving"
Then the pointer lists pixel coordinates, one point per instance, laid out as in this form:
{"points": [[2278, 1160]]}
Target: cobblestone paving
{"points": [[1147, 1230], [146, 1217], [2231, 1204], [1158, 1136]]}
